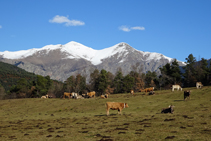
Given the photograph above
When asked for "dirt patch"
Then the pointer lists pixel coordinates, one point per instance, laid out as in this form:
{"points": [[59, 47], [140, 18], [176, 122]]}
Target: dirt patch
{"points": [[121, 129], [140, 130], [170, 137], [182, 127], [122, 133], [50, 130], [83, 131], [185, 116], [171, 119]]}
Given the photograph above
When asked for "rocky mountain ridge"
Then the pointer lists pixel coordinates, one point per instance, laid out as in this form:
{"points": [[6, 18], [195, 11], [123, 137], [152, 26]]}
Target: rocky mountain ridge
{"points": [[62, 61]]}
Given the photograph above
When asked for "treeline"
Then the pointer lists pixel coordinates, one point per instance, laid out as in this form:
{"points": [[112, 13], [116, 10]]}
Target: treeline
{"points": [[105, 82]]}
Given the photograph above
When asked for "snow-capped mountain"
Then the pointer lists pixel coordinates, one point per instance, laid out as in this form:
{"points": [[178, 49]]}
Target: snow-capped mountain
{"points": [[62, 61]]}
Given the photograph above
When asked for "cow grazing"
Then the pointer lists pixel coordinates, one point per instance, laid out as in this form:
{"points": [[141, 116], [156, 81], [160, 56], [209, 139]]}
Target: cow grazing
{"points": [[186, 94], [104, 96], [149, 89], [67, 94], [199, 85], [91, 94], [45, 96], [168, 110], [115, 106], [132, 92], [176, 87]]}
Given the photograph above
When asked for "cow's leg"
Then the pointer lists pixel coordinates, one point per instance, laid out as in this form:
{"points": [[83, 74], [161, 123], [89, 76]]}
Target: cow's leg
{"points": [[118, 111], [107, 111]]}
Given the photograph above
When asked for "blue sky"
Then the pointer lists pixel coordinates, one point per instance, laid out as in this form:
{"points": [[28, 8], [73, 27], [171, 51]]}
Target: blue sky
{"points": [[174, 28]]}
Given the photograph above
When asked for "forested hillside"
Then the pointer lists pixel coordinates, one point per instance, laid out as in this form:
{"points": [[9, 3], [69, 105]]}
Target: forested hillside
{"points": [[10, 74]]}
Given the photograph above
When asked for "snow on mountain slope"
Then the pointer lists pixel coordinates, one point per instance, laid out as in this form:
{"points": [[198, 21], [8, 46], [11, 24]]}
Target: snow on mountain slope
{"points": [[77, 50]]}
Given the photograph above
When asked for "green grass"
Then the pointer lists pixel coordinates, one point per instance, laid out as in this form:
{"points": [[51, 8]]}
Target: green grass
{"points": [[59, 119]]}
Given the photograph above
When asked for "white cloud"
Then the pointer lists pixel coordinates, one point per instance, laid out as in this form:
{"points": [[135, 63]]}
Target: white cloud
{"points": [[138, 28], [63, 19], [0, 26], [128, 29], [124, 28]]}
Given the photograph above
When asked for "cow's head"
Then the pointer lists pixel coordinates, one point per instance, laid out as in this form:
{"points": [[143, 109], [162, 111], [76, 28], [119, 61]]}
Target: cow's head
{"points": [[126, 105]]}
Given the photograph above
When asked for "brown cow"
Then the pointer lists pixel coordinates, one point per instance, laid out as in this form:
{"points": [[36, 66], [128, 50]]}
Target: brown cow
{"points": [[91, 94], [142, 90], [149, 89], [67, 94], [115, 106], [132, 92]]}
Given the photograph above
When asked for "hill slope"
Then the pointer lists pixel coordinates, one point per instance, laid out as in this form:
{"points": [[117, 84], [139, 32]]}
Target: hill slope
{"points": [[10, 74], [26, 119]]}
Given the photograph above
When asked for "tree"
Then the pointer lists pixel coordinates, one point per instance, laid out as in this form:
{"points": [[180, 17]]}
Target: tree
{"points": [[42, 86], [118, 82], [170, 74], [190, 72], [102, 81], [69, 84], [150, 77], [80, 83], [175, 72], [128, 83], [93, 78], [202, 71]]}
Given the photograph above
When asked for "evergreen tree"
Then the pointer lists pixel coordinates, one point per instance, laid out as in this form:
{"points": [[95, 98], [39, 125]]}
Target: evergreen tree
{"points": [[202, 71], [102, 81], [190, 72], [150, 77], [118, 82], [175, 72], [128, 83]]}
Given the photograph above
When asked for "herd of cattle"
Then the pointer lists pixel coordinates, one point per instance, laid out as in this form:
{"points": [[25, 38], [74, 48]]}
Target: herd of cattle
{"points": [[119, 106]]}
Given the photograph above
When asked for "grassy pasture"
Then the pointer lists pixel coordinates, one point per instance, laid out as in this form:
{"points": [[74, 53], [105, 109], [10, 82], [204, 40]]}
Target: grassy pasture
{"points": [[59, 119]]}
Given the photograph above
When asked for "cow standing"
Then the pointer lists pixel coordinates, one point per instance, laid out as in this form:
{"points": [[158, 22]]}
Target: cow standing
{"points": [[176, 87], [186, 94], [132, 92], [91, 94], [115, 106]]}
